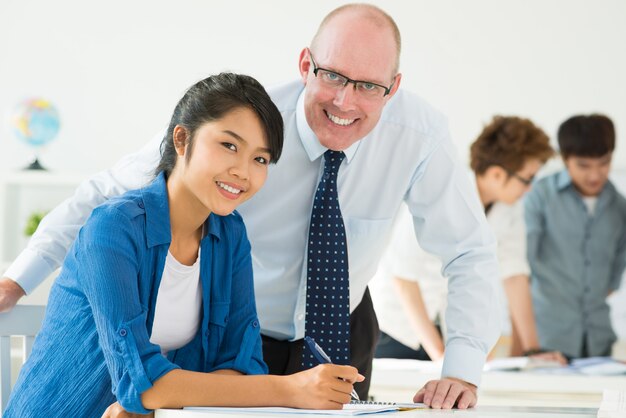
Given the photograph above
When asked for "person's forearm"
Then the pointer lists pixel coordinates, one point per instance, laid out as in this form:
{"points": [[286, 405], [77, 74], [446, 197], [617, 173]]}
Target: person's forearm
{"points": [[517, 289], [411, 299], [180, 388], [10, 293], [49, 244]]}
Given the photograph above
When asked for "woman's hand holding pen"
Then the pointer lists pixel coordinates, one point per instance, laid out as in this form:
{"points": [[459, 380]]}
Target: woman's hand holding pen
{"points": [[327, 386]]}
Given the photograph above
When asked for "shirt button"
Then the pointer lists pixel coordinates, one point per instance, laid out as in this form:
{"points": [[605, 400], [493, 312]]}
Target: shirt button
{"points": [[123, 332], [255, 324], [140, 204], [300, 317], [226, 320]]}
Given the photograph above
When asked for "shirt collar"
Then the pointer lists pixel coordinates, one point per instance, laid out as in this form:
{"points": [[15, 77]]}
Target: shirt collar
{"points": [[156, 206], [563, 180], [309, 140]]}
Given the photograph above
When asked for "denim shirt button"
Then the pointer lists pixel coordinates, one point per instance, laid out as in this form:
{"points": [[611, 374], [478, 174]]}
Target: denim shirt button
{"points": [[123, 332], [226, 320], [140, 204], [255, 324]]}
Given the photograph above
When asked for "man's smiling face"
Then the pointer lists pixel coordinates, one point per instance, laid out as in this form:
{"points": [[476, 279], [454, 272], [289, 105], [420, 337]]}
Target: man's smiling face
{"points": [[361, 50]]}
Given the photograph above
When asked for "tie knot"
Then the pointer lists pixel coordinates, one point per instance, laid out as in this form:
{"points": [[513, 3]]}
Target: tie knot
{"points": [[333, 160]]}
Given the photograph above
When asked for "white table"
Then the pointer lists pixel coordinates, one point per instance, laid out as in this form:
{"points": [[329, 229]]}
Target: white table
{"points": [[480, 412], [398, 380], [501, 395]]}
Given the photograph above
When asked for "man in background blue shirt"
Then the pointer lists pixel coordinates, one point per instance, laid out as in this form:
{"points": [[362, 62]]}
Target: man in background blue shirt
{"points": [[576, 222]]}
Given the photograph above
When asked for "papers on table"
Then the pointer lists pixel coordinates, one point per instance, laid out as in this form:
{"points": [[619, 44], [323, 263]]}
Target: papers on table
{"points": [[599, 366], [520, 363], [593, 366], [348, 410], [613, 404]]}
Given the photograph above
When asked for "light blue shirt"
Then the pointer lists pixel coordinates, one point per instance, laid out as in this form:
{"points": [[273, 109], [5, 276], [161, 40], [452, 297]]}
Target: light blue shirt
{"points": [[409, 157], [576, 260]]}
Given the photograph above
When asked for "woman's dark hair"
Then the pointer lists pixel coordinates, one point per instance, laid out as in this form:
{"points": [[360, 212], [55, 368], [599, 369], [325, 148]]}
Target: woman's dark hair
{"points": [[211, 99], [586, 136]]}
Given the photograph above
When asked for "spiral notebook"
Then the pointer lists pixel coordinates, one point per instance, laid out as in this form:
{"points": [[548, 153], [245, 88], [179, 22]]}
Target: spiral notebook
{"points": [[351, 409], [401, 406]]}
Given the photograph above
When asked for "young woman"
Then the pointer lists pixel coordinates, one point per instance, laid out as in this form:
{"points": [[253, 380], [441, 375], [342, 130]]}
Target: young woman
{"points": [[154, 306]]}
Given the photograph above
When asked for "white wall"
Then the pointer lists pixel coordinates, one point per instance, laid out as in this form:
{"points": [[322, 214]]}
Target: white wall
{"points": [[116, 68]]}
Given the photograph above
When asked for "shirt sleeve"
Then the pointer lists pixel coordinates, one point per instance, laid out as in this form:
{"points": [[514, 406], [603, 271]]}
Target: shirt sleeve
{"points": [[108, 253], [56, 232], [241, 348], [511, 237], [534, 218], [619, 264], [450, 223]]}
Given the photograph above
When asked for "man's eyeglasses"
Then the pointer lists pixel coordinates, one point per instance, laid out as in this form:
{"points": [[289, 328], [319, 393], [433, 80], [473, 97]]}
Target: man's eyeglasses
{"points": [[364, 88], [525, 181]]}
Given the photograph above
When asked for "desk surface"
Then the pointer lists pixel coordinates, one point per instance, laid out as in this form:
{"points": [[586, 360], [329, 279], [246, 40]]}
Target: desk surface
{"points": [[480, 412], [397, 381]]}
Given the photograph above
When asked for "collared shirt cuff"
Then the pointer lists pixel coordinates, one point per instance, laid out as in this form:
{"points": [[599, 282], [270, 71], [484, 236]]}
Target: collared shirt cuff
{"points": [[514, 268], [463, 362], [28, 270]]}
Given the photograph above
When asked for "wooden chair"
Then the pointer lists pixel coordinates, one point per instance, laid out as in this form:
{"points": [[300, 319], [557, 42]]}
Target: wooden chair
{"points": [[25, 321]]}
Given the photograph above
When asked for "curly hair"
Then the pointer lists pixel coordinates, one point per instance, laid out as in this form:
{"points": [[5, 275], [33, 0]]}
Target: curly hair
{"points": [[507, 142]]}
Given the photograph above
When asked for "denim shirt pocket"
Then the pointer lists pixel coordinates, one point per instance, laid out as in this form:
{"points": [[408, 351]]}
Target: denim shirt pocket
{"points": [[218, 319]]}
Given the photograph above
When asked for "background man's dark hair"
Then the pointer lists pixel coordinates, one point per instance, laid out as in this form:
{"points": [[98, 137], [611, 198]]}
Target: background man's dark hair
{"points": [[586, 136]]}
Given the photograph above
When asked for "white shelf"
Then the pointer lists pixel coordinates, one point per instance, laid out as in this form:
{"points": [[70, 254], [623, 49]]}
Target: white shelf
{"points": [[41, 178], [23, 193]]}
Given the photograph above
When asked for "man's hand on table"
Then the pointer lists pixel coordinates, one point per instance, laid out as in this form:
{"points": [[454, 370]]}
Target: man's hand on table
{"points": [[447, 393]]}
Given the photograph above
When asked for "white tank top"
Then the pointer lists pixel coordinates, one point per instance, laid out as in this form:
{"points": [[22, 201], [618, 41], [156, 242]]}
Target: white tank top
{"points": [[178, 305]]}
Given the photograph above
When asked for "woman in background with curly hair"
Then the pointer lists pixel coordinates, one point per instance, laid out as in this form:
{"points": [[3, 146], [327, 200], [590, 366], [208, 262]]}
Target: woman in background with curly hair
{"points": [[504, 159]]}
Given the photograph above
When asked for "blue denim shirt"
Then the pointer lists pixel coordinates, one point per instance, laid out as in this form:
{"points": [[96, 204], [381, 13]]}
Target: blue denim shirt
{"points": [[576, 260], [94, 346]]}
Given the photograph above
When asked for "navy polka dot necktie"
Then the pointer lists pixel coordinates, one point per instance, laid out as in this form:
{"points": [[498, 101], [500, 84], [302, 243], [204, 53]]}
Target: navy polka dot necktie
{"points": [[328, 290]]}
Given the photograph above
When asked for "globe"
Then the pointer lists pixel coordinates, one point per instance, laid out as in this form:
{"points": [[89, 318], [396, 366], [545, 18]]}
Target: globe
{"points": [[36, 122]]}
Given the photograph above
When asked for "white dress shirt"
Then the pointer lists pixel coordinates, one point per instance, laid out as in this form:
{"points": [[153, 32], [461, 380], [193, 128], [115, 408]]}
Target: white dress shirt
{"points": [[405, 259], [408, 157]]}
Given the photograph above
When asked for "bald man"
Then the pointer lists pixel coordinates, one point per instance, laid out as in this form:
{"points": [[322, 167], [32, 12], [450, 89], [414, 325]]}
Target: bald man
{"points": [[355, 148]]}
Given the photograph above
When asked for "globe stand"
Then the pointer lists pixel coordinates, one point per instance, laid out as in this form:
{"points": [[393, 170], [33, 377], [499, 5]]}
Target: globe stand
{"points": [[35, 165]]}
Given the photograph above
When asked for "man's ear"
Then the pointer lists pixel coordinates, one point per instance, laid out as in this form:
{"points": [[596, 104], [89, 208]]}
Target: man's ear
{"points": [[304, 64], [180, 136], [396, 85], [496, 173]]}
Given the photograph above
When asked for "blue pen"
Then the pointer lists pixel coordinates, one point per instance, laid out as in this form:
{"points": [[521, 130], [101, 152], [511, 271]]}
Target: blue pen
{"points": [[323, 358]]}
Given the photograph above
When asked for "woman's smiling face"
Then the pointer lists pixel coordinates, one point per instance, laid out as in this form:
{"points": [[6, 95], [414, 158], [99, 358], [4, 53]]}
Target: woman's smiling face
{"points": [[228, 162]]}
